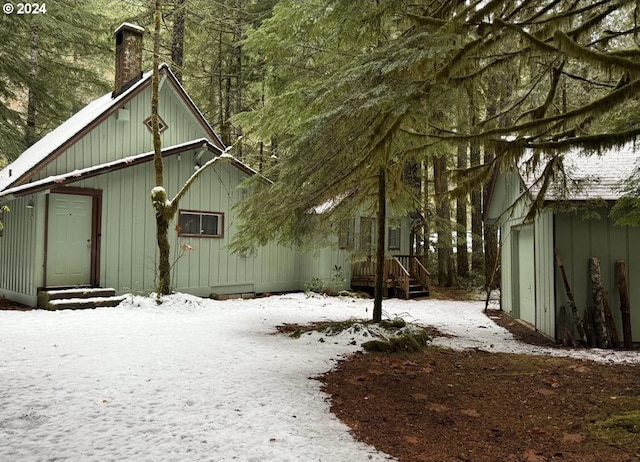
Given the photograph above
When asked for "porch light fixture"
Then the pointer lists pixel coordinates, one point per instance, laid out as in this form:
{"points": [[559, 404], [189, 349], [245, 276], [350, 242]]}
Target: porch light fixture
{"points": [[30, 203]]}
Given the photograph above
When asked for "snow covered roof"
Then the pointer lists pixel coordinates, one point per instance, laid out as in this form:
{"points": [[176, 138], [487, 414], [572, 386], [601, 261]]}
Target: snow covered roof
{"points": [[590, 176], [77, 175], [80, 123]]}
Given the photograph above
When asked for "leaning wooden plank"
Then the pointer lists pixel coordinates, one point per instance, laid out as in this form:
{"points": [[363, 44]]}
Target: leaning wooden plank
{"points": [[610, 324], [599, 324], [625, 306], [572, 303]]}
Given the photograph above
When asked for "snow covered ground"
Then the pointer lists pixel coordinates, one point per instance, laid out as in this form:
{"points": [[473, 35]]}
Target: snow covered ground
{"points": [[195, 379]]}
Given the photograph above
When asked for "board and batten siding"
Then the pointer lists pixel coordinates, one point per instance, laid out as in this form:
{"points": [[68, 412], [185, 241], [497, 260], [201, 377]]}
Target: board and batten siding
{"points": [[128, 245], [544, 273], [578, 238], [22, 249], [115, 139], [507, 191]]}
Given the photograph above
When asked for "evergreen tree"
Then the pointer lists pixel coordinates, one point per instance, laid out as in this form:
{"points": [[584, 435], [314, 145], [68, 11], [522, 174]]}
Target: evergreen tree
{"points": [[334, 107], [51, 65]]}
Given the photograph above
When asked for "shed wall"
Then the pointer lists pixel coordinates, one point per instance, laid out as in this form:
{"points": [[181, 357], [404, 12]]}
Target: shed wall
{"points": [[578, 238]]}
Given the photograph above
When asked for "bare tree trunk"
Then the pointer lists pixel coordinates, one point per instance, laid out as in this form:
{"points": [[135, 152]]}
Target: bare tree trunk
{"points": [[221, 121], [237, 46], [443, 211], [31, 135], [490, 232], [462, 254], [382, 215], [477, 250], [177, 42]]}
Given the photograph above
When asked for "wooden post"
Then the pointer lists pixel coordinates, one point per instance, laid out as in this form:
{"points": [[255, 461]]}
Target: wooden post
{"points": [[612, 330], [599, 321], [625, 307], [572, 303], [496, 267]]}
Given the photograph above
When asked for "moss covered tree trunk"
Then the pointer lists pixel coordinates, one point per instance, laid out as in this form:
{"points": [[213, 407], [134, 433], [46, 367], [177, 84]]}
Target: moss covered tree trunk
{"points": [[382, 213], [158, 196]]}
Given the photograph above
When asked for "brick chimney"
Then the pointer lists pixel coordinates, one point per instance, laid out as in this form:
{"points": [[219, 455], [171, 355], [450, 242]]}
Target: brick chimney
{"points": [[128, 56]]}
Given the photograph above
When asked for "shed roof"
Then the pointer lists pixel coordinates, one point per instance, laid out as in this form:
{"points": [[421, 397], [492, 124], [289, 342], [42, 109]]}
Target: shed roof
{"points": [[589, 175]]}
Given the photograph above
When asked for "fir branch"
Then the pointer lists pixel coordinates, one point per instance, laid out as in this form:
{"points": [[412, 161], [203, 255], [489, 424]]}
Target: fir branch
{"points": [[597, 142], [585, 80], [603, 60], [519, 30]]}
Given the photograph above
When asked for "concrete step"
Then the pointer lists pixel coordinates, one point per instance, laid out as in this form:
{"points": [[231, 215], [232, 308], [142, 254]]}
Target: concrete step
{"points": [[84, 303], [418, 293], [77, 297]]}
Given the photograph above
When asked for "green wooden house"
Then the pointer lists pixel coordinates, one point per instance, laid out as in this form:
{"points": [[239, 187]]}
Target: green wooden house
{"points": [[574, 222], [80, 214], [81, 228]]}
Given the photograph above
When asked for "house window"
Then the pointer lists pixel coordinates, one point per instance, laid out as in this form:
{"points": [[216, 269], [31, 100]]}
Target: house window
{"points": [[394, 238], [345, 234], [200, 224], [162, 126], [366, 235]]}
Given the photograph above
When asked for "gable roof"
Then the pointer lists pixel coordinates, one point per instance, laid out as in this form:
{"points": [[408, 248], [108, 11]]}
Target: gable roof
{"points": [[589, 175], [59, 139]]}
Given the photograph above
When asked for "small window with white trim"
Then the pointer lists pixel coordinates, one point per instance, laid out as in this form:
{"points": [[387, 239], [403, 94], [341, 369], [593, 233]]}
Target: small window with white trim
{"points": [[200, 224], [394, 238]]}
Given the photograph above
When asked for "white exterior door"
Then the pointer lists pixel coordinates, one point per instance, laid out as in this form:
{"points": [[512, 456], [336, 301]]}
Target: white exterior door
{"points": [[526, 275], [69, 240]]}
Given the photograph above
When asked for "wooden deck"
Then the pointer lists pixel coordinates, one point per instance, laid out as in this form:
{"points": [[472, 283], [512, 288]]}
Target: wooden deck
{"points": [[403, 274]]}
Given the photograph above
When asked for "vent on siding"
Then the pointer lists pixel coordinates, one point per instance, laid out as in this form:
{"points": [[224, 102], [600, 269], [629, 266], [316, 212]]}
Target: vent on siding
{"points": [[161, 124]]}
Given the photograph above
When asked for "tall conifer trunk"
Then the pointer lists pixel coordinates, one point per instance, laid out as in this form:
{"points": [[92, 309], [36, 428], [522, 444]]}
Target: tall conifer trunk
{"points": [[30, 133], [382, 215], [177, 42]]}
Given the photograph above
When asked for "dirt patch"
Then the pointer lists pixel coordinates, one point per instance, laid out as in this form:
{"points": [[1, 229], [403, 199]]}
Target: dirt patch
{"points": [[441, 405], [6, 304]]}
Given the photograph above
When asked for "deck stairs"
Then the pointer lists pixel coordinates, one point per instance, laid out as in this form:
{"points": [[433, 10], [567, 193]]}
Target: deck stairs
{"points": [[404, 275], [78, 298]]}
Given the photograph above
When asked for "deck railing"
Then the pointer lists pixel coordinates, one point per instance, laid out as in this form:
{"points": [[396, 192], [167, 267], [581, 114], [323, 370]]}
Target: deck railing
{"points": [[399, 268], [400, 274]]}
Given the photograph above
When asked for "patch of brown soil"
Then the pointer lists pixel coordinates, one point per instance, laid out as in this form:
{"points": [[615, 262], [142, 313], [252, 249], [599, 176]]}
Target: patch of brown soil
{"points": [[472, 406], [6, 304]]}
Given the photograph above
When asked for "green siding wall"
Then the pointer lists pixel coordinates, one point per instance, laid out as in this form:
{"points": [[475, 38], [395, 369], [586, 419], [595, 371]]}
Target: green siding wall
{"points": [[578, 239], [21, 247], [128, 248], [507, 191], [114, 139]]}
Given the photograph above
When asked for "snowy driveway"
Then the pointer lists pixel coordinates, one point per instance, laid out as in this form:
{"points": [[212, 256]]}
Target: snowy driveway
{"points": [[194, 379]]}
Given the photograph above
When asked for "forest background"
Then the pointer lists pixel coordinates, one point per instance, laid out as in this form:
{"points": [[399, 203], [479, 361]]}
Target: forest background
{"points": [[417, 102]]}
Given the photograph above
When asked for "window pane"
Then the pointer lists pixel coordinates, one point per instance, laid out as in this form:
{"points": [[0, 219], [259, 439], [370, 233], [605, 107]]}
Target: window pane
{"points": [[189, 223], [209, 225], [394, 238]]}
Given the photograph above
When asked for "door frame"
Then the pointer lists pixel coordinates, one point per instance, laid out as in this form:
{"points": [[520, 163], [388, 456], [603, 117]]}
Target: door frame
{"points": [[96, 226], [516, 270]]}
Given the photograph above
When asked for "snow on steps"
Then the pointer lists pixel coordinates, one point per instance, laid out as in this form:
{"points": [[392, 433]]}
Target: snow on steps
{"points": [[78, 298]]}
